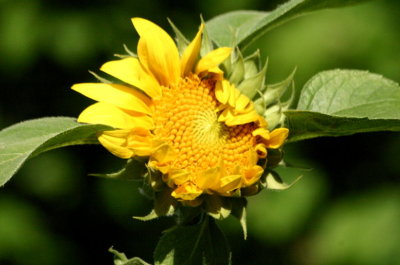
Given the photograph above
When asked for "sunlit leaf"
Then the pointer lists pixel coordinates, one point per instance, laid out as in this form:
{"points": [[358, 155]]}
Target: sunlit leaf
{"points": [[343, 102], [244, 26], [351, 93], [30, 138]]}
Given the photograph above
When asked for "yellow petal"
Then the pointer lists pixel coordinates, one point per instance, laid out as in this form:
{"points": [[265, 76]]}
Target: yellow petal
{"points": [[227, 93], [252, 157], [187, 192], [241, 103], [164, 153], [117, 95], [233, 94], [212, 59], [140, 141], [214, 73], [178, 176], [262, 132], [127, 143], [130, 71], [242, 118], [115, 142], [157, 51], [229, 183], [252, 175], [191, 53], [278, 136], [161, 157], [104, 113], [142, 49], [221, 92], [209, 179], [261, 150], [227, 114]]}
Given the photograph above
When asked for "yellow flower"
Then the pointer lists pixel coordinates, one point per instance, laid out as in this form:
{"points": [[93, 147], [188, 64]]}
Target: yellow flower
{"points": [[196, 128]]}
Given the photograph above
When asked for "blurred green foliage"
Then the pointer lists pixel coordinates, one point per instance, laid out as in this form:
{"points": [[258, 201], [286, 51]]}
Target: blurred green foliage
{"points": [[344, 211]]}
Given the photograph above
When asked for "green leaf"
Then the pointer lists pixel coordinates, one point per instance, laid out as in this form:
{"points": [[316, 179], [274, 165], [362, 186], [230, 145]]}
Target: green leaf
{"points": [[30, 138], [351, 93], [343, 102], [244, 26], [180, 39], [200, 244], [306, 125]]}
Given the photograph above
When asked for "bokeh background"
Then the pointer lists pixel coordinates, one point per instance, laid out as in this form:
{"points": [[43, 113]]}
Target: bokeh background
{"points": [[346, 210]]}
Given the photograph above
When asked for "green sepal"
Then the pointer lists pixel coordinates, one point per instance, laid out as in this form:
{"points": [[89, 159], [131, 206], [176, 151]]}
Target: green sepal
{"points": [[154, 180], [150, 216], [218, 207], [273, 92], [99, 78], [180, 39], [251, 85], [133, 170], [274, 157], [274, 116], [121, 259], [237, 69], [239, 211], [245, 73], [164, 205], [270, 105], [252, 64], [146, 189], [187, 215], [273, 181], [129, 53], [206, 43]]}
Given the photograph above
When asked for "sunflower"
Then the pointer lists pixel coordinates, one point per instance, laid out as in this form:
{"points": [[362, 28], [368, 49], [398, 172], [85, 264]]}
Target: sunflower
{"points": [[196, 128]]}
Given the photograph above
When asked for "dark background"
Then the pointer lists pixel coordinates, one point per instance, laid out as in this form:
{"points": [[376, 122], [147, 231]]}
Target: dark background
{"points": [[345, 211]]}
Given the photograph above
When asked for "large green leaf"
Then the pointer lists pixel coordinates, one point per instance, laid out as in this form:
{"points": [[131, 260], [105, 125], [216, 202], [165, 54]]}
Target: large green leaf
{"points": [[200, 244], [243, 27], [30, 138], [343, 102], [306, 125], [351, 93]]}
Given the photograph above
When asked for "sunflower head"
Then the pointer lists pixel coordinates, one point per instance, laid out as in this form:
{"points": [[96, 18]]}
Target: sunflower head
{"points": [[202, 137]]}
